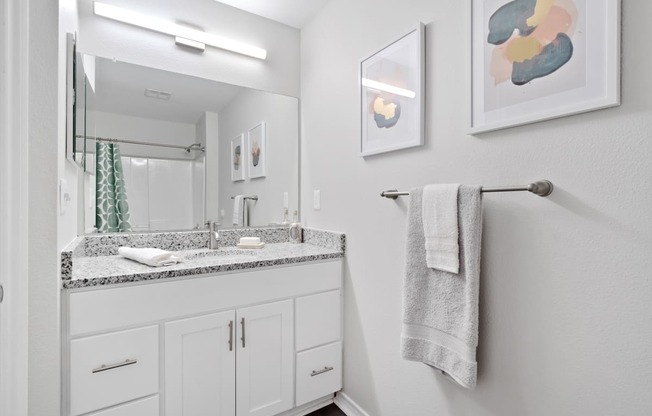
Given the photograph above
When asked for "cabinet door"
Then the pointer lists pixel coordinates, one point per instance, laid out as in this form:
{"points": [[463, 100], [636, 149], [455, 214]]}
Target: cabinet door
{"points": [[265, 375], [200, 366]]}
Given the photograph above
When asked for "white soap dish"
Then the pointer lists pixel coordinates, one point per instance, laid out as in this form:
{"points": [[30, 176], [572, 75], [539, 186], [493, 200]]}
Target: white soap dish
{"points": [[259, 245]]}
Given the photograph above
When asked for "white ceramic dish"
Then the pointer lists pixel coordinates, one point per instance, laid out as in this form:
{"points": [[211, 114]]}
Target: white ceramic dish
{"points": [[260, 245]]}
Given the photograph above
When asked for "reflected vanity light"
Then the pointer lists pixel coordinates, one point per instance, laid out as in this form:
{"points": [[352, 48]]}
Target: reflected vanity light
{"points": [[186, 36], [369, 83]]}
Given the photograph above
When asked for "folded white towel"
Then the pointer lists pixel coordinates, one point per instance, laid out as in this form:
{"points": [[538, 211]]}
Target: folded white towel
{"points": [[440, 309], [154, 257], [239, 211], [439, 212]]}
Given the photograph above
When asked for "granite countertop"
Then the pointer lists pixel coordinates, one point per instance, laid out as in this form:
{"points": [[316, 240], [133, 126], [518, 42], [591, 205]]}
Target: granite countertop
{"points": [[92, 267]]}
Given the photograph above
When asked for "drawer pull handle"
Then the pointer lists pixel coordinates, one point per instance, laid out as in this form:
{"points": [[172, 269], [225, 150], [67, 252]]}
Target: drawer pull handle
{"points": [[242, 322], [105, 367], [318, 372], [230, 335]]}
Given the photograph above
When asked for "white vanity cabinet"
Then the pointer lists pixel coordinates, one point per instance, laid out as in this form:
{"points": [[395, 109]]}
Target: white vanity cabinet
{"points": [[200, 365], [206, 355], [260, 342], [265, 359]]}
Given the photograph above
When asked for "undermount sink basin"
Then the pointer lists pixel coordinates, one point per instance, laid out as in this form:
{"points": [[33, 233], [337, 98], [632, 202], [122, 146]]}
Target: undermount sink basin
{"points": [[221, 252]]}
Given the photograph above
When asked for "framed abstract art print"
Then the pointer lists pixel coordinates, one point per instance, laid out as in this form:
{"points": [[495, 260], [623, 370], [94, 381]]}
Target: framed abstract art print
{"points": [[237, 158], [392, 95], [257, 148], [534, 60]]}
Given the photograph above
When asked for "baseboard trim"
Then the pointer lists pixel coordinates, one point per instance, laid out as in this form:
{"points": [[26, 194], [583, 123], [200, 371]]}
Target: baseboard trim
{"points": [[309, 407], [348, 406]]}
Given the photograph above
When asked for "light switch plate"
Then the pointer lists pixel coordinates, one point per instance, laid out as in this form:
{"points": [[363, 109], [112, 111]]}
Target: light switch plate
{"points": [[64, 196], [316, 203]]}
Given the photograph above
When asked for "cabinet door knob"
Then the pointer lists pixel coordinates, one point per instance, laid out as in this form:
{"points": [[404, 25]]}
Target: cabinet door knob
{"points": [[242, 322]]}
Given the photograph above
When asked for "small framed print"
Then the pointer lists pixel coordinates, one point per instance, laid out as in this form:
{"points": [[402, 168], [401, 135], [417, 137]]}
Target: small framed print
{"points": [[257, 149], [392, 95], [237, 158]]}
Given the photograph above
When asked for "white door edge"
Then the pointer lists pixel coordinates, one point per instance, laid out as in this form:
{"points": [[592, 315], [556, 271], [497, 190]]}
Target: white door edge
{"points": [[13, 210]]}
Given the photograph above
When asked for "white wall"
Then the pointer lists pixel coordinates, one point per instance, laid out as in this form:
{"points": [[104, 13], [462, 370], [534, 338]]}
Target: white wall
{"points": [[279, 73], [143, 130], [199, 192], [208, 130], [45, 127], [14, 183], [68, 221], [281, 116], [565, 293]]}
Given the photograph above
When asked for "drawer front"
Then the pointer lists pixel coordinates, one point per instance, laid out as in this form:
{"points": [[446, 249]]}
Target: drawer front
{"points": [[318, 320], [145, 407], [130, 360], [319, 372]]}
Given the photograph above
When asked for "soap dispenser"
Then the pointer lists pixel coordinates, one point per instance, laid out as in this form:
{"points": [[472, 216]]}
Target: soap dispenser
{"points": [[286, 221], [296, 230]]}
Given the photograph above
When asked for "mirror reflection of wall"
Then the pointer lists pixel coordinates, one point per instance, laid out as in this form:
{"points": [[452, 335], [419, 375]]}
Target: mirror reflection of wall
{"points": [[173, 133]]}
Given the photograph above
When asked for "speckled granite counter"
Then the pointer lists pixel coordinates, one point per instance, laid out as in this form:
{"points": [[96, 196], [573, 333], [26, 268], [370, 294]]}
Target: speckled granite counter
{"points": [[91, 260]]}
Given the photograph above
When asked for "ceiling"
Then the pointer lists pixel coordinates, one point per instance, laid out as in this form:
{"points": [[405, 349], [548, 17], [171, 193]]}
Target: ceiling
{"points": [[120, 89], [295, 13]]}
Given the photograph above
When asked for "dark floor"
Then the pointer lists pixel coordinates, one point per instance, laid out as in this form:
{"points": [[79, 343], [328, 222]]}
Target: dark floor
{"points": [[331, 410]]}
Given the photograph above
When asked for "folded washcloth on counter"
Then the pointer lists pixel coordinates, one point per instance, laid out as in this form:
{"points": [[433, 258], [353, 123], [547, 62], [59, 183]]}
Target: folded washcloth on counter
{"points": [[154, 257]]}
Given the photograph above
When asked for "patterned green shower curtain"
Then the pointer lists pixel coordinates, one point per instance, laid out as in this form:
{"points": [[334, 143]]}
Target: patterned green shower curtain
{"points": [[111, 207]]}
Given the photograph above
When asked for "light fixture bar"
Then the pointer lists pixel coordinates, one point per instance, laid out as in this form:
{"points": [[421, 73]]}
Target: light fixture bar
{"points": [[366, 82], [189, 43], [172, 29]]}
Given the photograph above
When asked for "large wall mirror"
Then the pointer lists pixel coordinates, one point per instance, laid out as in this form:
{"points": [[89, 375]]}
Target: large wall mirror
{"points": [[167, 151]]}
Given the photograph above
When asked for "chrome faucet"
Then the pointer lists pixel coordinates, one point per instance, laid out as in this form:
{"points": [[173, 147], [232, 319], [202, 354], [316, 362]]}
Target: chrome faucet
{"points": [[213, 239]]}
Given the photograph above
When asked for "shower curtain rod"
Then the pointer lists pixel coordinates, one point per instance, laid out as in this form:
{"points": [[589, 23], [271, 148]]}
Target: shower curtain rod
{"points": [[195, 146], [541, 188]]}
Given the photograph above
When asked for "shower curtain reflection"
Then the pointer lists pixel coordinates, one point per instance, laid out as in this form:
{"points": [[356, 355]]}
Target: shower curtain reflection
{"points": [[111, 207]]}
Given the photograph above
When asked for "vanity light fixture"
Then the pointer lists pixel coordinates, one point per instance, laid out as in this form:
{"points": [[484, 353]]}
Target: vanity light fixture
{"points": [[366, 82], [183, 35], [190, 43]]}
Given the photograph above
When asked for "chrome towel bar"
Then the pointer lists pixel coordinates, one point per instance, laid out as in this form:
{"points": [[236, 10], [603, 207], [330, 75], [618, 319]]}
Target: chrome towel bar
{"points": [[252, 197], [541, 188]]}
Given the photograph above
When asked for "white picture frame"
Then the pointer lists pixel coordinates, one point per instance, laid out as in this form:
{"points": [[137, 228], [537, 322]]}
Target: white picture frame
{"points": [[509, 88], [257, 151], [238, 158], [392, 95]]}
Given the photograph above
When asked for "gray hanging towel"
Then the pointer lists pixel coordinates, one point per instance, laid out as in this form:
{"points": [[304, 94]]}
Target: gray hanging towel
{"points": [[440, 309]]}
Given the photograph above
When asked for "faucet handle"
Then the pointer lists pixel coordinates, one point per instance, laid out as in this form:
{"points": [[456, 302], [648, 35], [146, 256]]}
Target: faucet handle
{"points": [[212, 225]]}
